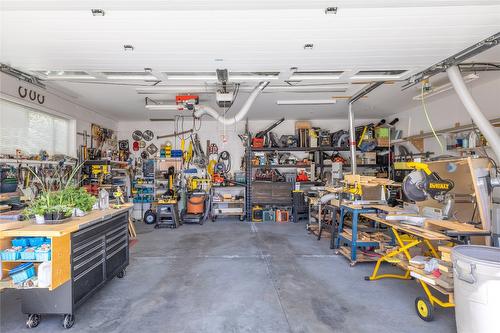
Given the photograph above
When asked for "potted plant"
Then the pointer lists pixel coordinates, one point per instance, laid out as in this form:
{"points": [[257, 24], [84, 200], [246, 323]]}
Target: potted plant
{"points": [[58, 205]]}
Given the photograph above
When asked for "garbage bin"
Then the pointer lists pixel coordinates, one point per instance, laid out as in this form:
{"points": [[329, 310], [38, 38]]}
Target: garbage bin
{"points": [[476, 272]]}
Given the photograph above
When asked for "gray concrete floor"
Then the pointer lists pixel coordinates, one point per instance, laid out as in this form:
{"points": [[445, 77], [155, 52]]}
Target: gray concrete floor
{"points": [[234, 276]]}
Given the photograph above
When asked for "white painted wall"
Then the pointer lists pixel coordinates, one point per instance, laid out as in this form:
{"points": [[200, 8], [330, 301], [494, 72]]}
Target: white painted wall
{"points": [[215, 132], [56, 103], [446, 109]]}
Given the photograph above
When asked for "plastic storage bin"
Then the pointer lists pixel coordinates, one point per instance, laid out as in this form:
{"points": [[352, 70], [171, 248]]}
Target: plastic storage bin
{"points": [[27, 254], [36, 241], [22, 272], [42, 255], [10, 255], [20, 241]]}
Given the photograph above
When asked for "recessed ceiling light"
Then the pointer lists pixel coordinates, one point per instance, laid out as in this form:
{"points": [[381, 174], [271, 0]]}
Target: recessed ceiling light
{"points": [[98, 12], [308, 46], [128, 47], [331, 10]]}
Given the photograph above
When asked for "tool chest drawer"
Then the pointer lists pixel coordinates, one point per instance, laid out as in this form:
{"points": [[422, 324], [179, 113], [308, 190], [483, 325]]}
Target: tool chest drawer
{"points": [[99, 252], [87, 255], [116, 249]]}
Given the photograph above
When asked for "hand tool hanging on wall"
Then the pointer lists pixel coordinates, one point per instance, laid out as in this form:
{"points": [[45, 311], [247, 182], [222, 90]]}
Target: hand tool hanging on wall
{"points": [[199, 159]]}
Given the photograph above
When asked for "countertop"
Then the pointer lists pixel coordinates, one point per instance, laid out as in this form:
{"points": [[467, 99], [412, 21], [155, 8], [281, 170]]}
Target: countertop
{"points": [[55, 230]]}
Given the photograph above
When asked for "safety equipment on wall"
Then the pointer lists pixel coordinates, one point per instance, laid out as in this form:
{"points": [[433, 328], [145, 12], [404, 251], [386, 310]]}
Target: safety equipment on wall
{"points": [[152, 149], [148, 135], [137, 135], [135, 146], [203, 109]]}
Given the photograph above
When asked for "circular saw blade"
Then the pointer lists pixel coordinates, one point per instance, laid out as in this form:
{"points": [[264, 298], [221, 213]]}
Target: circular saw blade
{"points": [[413, 186]]}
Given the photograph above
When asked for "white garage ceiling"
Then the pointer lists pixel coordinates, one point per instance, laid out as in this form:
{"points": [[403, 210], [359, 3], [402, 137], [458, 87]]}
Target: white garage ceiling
{"points": [[242, 36]]}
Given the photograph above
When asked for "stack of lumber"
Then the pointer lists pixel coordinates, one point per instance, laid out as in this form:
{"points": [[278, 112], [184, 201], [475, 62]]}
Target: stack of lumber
{"points": [[445, 280], [368, 237], [314, 229]]}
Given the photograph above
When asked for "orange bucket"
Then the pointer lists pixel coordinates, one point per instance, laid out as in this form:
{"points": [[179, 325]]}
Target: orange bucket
{"points": [[195, 204]]}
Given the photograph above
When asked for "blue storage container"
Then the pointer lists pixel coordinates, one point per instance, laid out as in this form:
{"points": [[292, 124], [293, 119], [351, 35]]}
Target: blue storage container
{"points": [[22, 272], [9, 255], [20, 241], [42, 255], [27, 255], [36, 241]]}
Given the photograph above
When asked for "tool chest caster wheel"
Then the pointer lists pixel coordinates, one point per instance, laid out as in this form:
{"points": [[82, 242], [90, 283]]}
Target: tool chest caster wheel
{"points": [[120, 274], [424, 308], [33, 320], [68, 321]]}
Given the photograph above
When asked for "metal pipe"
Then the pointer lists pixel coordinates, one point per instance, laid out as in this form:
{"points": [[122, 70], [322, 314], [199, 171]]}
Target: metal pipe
{"points": [[352, 139], [475, 113], [202, 110]]}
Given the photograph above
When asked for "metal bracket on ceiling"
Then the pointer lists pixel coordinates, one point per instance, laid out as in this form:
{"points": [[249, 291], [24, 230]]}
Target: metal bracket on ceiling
{"points": [[21, 75], [365, 91], [455, 59]]}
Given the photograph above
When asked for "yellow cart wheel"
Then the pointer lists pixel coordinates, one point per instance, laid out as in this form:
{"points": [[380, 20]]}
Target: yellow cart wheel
{"points": [[424, 308]]}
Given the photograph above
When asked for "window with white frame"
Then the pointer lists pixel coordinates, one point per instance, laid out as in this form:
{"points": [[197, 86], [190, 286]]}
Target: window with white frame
{"points": [[31, 130]]}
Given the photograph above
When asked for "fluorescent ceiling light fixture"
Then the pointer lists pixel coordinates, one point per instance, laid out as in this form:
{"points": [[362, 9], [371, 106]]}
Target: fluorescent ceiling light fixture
{"points": [[98, 12], [385, 74], [176, 89], [445, 87], [308, 46], [129, 76], [128, 47], [316, 75], [164, 107], [306, 102], [191, 76], [65, 75], [254, 76]]}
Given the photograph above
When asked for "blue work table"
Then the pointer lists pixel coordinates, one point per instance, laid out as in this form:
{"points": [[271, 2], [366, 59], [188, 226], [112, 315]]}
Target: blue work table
{"points": [[352, 242]]}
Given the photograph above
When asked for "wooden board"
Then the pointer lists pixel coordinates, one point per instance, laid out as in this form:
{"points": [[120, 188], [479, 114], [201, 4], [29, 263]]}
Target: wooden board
{"points": [[450, 225], [61, 265], [74, 224], [387, 208], [360, 256], [419, 232]]}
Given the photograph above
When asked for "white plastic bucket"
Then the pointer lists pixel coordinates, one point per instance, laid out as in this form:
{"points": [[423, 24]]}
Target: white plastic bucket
{"points": [[476, 271]]}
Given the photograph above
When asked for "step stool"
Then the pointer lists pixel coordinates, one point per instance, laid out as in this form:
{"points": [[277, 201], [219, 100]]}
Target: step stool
{"points": [[167, 216]]}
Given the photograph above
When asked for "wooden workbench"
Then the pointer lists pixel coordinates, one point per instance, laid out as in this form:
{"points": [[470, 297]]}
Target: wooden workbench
{"points": [[55, 230]]}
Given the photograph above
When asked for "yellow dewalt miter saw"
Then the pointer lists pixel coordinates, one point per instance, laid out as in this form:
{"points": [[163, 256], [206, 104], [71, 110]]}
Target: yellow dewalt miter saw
{"points": [[422, 184]]}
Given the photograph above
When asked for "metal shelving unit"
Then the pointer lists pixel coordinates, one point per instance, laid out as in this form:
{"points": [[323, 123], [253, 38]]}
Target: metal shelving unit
{"points": [[249, 167]]}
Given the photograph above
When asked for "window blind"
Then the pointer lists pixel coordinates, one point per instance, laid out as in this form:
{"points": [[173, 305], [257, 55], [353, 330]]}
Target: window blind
{"points": [[31, 131]]}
